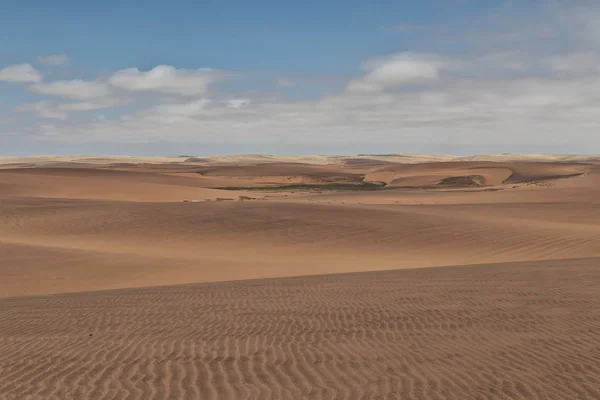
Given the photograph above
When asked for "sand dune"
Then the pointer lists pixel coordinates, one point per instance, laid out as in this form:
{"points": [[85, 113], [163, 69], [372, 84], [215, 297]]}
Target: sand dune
{"points": [[261, 238], [91, 183], [309, 159], [508, 331], [481, 173], [519, 323], [136, 216], [231, 159]]}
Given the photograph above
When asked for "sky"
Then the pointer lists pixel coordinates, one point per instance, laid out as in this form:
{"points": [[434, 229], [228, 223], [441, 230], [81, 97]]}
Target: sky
{"points": [[312, 77]]}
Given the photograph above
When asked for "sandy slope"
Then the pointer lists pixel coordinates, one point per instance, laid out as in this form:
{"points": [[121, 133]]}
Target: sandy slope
{"points": [[91, 183], [79, 224], [236, 240], [508, 331], [99, 227]]}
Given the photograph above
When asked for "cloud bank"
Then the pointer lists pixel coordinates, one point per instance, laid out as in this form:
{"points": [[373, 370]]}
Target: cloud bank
{"points": [[514, 84]]}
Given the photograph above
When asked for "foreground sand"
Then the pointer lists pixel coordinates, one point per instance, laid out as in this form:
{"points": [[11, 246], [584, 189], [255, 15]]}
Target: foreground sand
{"points": [[508, 331], [522, 321]]}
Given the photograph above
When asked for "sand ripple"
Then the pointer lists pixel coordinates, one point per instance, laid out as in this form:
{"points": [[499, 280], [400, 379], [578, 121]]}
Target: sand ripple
{"points": [[508, 331]]}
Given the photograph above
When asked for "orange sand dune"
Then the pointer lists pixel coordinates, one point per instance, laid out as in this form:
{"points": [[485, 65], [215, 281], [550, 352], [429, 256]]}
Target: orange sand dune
{"points": [[94, 183], [520, 322], [79, 213]]}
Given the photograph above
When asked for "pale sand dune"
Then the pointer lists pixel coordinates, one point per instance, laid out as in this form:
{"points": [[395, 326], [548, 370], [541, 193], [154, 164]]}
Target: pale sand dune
{"points": [[533, 157], [495, 331], [310, 159], [231, 159], [507, 331]]}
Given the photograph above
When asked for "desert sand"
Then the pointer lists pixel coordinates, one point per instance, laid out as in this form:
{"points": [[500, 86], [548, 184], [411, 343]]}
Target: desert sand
{"points": [[326, 277]]}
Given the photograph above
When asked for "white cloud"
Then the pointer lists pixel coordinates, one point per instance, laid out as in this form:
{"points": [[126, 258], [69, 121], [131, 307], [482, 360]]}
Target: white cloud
{"points": [[95, 104], [48, 109], [460, 111], [575, 63], [24, 73], [166, 79], [44, 109], [398, 70], [54, 60], [188, 109], [404, 68], [73, 89], [197, 110], [237, 103], [361, 85]]}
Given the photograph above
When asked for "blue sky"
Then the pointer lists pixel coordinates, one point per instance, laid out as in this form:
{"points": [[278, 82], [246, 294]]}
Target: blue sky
{"points": [[202, 77], [303, 37]]}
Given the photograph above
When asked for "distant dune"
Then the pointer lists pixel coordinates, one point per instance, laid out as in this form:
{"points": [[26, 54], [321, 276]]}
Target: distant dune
{"points": [[172, 223], [310, 159], [514, 317]]}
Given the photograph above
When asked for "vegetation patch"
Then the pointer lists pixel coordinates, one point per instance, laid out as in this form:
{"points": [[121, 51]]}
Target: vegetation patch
{"points": [[461, 181], [363, 186]]}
